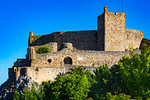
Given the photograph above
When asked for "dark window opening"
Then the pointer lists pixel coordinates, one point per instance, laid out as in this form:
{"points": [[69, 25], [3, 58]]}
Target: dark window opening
{"points": [[67, 60], [49, 60]]}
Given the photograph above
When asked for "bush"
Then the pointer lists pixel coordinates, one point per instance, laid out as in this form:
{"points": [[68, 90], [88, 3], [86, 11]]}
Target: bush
{"points": [[120, 96], [27, 95], [43, 50]]}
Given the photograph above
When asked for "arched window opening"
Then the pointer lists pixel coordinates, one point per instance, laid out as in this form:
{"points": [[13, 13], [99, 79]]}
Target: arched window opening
{"points": [[67, 60]]}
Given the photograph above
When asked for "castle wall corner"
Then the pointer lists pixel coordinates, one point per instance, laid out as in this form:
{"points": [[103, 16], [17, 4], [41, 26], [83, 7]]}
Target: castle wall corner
{"points": [[101, 32]]}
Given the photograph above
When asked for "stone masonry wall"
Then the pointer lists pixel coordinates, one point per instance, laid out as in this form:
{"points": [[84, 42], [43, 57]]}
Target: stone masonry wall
{"points": [[100, 33], [81, 57], [56, 59], [82, 40], [39, 74], [43, 72], [114, 31], [51, 45], [133, 38]]}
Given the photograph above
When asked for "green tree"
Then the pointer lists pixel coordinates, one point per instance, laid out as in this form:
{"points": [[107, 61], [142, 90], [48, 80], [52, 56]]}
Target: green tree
{"points": [[73, 86], [117, 85], [101, 85], [27, 95], [31, 95], [107, 80], [135, 73], [17, 96], [46, 91]]}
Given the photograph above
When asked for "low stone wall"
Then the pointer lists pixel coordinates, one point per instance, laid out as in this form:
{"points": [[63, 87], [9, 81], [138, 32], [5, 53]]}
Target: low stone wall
{"points": [[79, 57], [95, 59], [39, 74], [51, 45]]}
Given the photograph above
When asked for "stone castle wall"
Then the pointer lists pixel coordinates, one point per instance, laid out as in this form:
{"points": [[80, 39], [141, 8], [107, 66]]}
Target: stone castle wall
{"points": [[81, 57], [51, 45], [81, 40], [101, 32], [114, 31], [43, 70], [133, 38], [40, 74]]}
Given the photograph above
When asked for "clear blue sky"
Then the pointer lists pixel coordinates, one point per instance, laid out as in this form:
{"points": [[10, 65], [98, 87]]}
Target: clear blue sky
{"points": [[18, 17]]}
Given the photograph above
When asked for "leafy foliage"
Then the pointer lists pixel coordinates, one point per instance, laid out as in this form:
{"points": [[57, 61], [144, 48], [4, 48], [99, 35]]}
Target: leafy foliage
{"points": [[17, 96], [120, 96], [27, 95], [43, 50], [74, 86], [135, 73], [107, 80], [101, 85]]}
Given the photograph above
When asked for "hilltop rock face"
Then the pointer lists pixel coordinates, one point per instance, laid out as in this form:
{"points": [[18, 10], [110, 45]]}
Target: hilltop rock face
{"points": [[24, 82]]}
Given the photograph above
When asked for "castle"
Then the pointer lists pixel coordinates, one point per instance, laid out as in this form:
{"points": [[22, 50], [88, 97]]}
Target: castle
{"points": [[106, 45]]}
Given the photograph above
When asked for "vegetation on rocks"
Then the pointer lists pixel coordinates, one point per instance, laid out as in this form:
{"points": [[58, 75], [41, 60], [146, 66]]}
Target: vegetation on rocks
{"points": [[43, 50]]}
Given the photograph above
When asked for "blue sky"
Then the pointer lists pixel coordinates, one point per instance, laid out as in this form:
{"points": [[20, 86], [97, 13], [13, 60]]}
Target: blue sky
{"points": [[18, 17]]}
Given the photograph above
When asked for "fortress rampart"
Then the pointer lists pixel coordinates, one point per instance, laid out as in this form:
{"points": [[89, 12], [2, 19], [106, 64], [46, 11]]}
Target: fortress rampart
{"points": [[84, 58]]}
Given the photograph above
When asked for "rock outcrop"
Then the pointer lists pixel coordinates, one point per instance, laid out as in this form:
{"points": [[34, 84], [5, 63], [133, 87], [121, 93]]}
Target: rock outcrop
{"points": [[23, 82]]}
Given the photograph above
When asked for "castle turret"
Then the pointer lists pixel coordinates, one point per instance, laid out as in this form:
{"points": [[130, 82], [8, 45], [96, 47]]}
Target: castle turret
{"points": [[31, 33], [105, 9], [30, 38], [111, 31]]}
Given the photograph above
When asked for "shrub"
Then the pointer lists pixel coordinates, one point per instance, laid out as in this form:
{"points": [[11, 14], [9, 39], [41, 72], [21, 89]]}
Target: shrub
{"points": [[27, 95], [43, 50], [120, 96]]}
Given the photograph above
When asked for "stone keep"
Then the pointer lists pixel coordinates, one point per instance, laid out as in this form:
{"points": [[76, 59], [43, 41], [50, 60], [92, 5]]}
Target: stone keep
{"points": [[93, 48]]}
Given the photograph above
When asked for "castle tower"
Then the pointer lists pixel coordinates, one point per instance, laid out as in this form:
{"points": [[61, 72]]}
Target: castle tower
{"points": [[111, 31]]}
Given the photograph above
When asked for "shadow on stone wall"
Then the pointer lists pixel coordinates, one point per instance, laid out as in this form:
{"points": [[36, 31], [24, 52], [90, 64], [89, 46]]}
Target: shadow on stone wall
{"points": [[145, 42], [81, 40]]}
